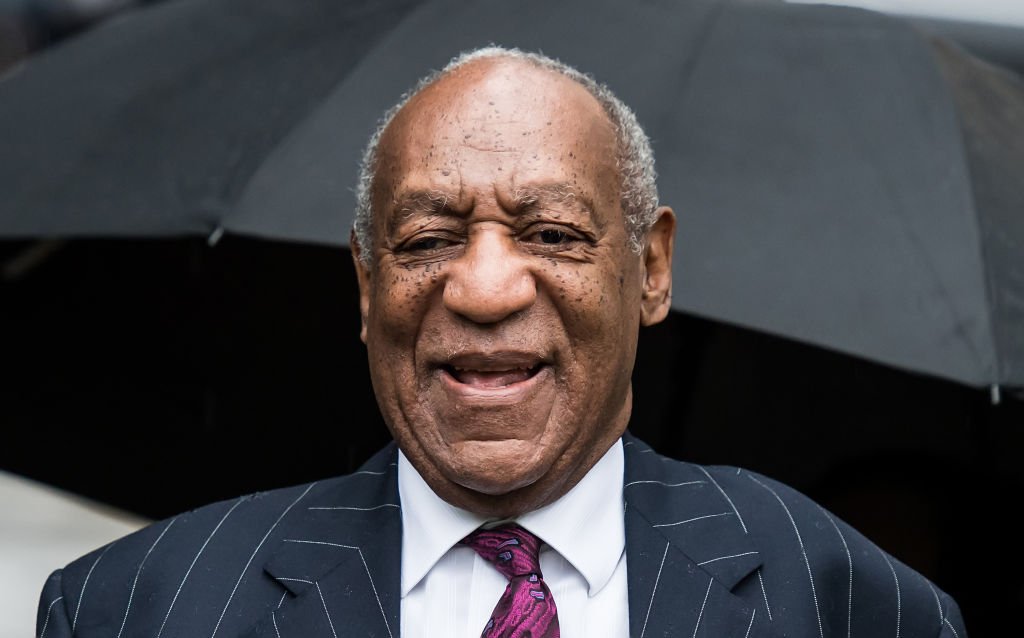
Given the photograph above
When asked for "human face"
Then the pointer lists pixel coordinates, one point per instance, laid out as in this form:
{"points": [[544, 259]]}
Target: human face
{"points": [[501, 307]]}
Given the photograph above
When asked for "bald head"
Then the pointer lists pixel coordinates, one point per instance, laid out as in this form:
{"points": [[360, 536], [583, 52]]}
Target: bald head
{"points": [[501, 115], [634, 161]]}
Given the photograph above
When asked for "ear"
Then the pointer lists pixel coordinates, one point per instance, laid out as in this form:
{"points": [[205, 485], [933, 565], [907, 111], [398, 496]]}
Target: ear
{"points": [[363, 276], [656, 298]]}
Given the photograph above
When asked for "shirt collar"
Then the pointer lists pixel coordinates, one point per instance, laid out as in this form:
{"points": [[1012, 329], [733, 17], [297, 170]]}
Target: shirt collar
{"points": [[585, 525]]}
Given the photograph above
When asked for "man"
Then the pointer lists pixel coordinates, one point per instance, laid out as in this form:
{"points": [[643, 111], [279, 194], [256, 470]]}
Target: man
{"points": [[508, 246]]}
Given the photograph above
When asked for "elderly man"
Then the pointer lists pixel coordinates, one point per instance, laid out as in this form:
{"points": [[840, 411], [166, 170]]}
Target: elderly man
{"points": [[509, 246]]}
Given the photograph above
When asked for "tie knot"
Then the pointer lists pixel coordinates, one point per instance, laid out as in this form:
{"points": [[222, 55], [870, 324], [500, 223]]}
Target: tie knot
{"points": [[510, 548]]}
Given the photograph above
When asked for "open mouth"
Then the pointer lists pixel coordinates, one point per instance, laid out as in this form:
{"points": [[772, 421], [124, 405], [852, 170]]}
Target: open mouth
{"points": [[492, 378]]}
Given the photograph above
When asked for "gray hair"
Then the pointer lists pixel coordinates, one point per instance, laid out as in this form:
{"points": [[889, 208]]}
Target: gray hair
{"points": [[635, 161]]}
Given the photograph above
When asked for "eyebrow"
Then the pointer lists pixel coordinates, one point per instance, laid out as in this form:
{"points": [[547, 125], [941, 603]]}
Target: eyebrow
{"points": [[528, 197], [421, 202], [524, 199]]}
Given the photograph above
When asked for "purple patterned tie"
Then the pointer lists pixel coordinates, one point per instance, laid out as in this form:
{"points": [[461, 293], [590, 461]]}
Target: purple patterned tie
{"points": [[526, 609]]}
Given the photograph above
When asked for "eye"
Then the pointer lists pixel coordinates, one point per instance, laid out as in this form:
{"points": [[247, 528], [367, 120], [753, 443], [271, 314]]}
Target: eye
{"points": [[551, 236], [425, 244]]}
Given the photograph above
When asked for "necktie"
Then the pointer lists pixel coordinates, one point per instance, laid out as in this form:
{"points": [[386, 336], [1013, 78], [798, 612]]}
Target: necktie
{"points": [[526, 609]]}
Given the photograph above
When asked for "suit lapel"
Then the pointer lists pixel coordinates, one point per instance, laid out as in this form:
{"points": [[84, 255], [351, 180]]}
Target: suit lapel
{"points": [[341, 564], [686, 551]]}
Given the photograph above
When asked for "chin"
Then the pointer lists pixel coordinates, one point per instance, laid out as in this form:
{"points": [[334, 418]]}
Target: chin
{"points": [[500, 501], [492, 486], [496, 468]]}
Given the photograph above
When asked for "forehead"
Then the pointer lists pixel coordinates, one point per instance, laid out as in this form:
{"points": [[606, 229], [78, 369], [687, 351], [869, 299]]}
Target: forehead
{"points": [[540, 124], [476, 84]]}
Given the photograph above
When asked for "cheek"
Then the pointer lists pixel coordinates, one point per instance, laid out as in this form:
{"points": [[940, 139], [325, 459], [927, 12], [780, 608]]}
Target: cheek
{"points": [[593, 302], [401, 298], [396, 319], [601, 318]]}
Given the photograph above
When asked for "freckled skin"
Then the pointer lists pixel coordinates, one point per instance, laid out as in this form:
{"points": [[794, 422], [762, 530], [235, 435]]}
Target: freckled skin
{"points": [[482, 272]]}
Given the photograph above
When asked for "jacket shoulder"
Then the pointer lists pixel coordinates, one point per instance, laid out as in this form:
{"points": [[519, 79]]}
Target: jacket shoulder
{"points": [[818, 566], [817, 572], [249, 515], [204, 560]]}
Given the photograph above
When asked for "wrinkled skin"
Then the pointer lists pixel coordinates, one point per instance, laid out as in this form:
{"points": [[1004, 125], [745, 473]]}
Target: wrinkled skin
{"points": [[502, 304]]}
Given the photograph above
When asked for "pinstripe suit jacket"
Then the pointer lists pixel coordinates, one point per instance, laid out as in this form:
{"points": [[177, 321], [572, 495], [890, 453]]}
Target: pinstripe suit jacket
{"points": [[711, 551]]}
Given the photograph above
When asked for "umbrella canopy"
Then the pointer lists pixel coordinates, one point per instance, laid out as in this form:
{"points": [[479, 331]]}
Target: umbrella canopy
{"points": [[152, 123], [835, 173]]}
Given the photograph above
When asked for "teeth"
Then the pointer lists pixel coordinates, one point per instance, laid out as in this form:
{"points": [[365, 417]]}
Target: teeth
{"points": [[516, 369], [492, 377]]}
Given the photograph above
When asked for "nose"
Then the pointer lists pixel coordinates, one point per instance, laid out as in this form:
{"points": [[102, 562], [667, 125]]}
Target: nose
{"points": [[490, 281]]}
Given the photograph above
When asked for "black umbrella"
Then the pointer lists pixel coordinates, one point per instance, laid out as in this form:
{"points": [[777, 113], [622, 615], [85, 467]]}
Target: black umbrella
{"points": [[152, 123], [840, 178]]}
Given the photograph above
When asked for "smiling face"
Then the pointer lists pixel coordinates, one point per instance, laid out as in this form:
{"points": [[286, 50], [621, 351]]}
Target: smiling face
{"points": [[502, 302]]}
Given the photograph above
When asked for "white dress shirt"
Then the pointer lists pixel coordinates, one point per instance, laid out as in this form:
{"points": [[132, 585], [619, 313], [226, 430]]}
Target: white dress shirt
{"points": [[448, 590]]}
